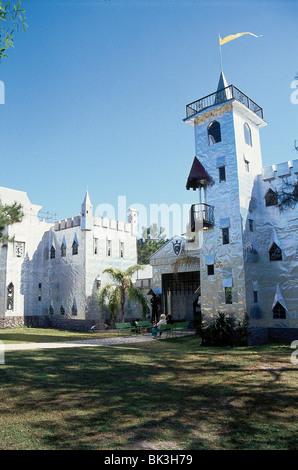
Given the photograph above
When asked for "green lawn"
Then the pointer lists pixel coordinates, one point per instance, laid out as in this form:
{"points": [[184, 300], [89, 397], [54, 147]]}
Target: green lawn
{"points": [[46, 335], [164, 395]]}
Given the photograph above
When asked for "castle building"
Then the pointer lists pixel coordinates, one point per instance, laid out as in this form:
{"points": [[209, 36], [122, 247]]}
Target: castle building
{"points": [[55, 270], [239, 253]]}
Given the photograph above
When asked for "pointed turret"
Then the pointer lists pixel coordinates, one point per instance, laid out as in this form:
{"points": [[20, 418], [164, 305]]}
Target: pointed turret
{"points": [[87, 213], [223, 92]]}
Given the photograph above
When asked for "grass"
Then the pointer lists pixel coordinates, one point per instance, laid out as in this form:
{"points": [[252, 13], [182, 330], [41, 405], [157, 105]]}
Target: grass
{"points": [[46, 335], [164, 395]]}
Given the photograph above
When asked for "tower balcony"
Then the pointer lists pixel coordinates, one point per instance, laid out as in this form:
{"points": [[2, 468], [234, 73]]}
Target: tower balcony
{"points": [[221, 96], [203, 214]]}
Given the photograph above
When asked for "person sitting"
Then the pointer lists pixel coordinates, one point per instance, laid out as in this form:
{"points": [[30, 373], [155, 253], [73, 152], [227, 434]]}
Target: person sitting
{"points": [[170, 319], [156, 326]]}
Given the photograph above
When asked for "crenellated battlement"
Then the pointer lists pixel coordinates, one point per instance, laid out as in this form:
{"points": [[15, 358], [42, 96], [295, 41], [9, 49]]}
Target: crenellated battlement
{"points": [[280, 170]]}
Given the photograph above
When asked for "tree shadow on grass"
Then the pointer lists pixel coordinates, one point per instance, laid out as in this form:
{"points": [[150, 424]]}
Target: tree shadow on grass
{"points": [[149, 396]]}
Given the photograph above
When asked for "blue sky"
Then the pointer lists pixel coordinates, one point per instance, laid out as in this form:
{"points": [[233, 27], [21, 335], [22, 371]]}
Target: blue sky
{"points": [[95, 94]]}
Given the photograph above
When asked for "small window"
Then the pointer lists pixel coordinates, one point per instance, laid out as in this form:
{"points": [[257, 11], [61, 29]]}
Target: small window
{"points": [[51, 310], [255, 296], [214, 134], [279, 311], [109, 248], [225, 236], [228, 295], [247, 134], [10, 296], [74, 310], [271, 198], [62, 310], [121, 250], [251, 225], [52, 252], [210, 269], [39, 298], [246, 163], [222, 173], [63, 250], [95, 246], [75, 248], [275, 253]]}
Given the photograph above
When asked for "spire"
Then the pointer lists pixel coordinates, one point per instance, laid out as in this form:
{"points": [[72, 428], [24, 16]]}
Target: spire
{"points": [[87, 210], [222, 83], [87, 201], [223, 92]]}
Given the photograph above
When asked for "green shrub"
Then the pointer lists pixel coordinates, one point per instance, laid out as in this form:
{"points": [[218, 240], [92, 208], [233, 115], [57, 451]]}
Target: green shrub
{"points": [[219, 332]]}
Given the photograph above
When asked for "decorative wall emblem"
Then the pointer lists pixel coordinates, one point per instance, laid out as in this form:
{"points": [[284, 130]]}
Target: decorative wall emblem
{"points": [[177, 246]]}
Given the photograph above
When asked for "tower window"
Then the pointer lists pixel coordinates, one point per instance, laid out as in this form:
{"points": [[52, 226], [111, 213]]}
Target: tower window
{"points": [[275, 253], [95, 245], [52, 252], [225, 236], [210, 269], [62, 310], [279, 311], [255, 296], [228, 295], [214, 134], [271, 198], [222, 173], [247, 134], [251, 225], [51, 310], [246, 163]]}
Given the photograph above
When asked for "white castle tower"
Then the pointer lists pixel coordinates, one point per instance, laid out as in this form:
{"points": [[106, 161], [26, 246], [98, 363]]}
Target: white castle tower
{"points": [[228, 158]]}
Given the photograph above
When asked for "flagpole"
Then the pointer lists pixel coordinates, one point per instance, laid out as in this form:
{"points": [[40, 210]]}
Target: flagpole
{"points": [[220, 53]]}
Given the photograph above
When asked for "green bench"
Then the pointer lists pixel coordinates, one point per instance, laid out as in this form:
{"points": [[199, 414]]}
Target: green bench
{"points": [[180, 326], [122, 327], [143, 325], [172, 328]]}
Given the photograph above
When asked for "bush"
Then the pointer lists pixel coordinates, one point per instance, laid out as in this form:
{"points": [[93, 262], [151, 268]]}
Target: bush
{"points": [[219, 332]]}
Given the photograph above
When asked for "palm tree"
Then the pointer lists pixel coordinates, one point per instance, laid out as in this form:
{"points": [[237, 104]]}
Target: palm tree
{"points": [[113, 295]]}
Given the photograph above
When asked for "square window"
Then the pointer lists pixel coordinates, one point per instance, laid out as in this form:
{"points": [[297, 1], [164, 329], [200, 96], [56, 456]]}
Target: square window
{"points": [[222, 173], [210, 269], [228, 295], [225, 236]]}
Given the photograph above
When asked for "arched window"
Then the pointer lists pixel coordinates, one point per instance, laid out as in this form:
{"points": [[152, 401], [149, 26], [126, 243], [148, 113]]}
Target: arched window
{"points": [[214, 134], [52, 252], [247, 134], [63, 250], [271, 198], [275, 253], [10, 296], [75, 248], [51, 310], [62, 310], [279, 311], [74, 310]]}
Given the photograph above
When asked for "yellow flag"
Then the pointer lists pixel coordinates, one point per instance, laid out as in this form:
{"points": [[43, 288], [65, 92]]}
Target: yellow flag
{"points": [[233, 36]]}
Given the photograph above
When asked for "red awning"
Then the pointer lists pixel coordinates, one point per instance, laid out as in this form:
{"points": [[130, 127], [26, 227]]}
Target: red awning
{"points": [[198, 176]]}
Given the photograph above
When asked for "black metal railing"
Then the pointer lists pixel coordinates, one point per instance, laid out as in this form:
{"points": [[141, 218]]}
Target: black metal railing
{"points": [[201, 213], [221, 96]]}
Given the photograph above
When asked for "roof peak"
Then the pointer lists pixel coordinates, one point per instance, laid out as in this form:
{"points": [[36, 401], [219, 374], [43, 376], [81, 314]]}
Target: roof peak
{"points": [[222, 83]]}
